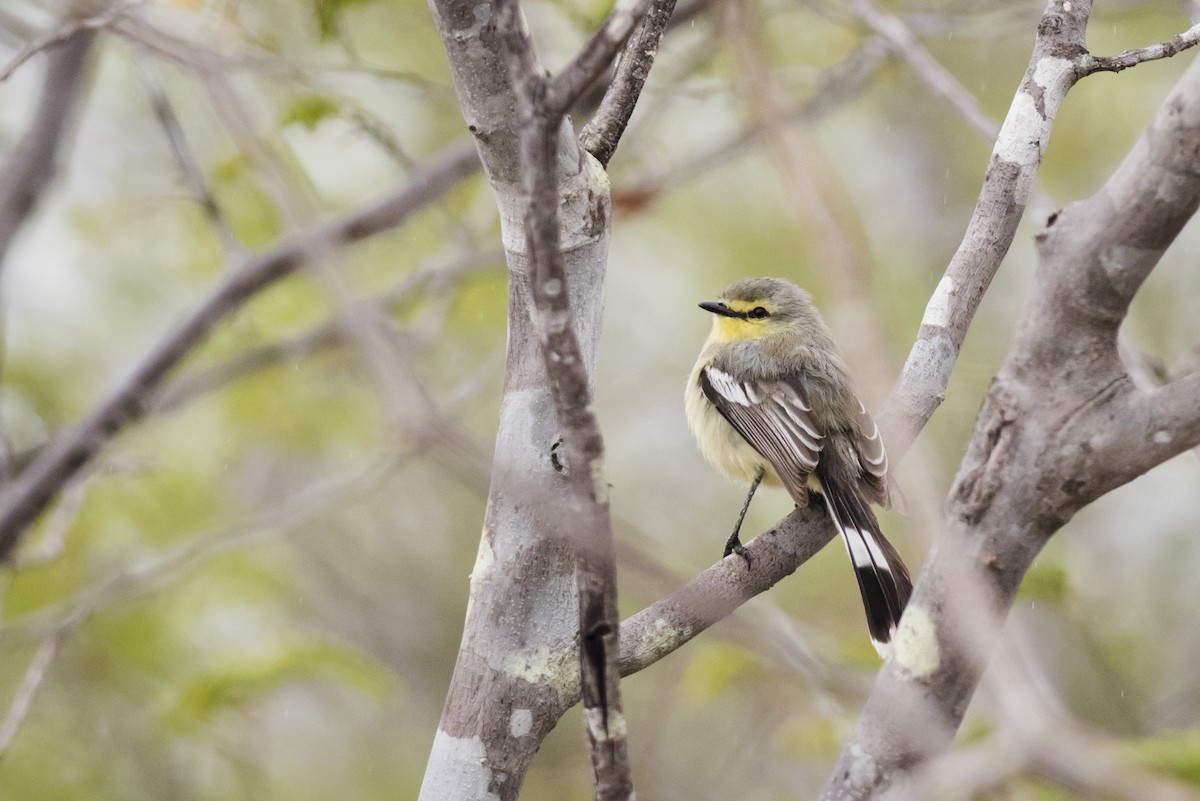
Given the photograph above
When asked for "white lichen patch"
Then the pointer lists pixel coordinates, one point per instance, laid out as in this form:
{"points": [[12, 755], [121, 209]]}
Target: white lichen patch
{"points": [[1019, 138], [1162, 437], [548, 667], [863, 771], [520, 722], [457, 768], [1050, 70], [664, 638], [485, 560], [937, 312], [594, 720], [915, 647], [597, 177], [599, 481]]}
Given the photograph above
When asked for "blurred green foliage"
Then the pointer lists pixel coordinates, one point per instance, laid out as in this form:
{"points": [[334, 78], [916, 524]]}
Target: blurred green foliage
{"points": [[269, 615]]}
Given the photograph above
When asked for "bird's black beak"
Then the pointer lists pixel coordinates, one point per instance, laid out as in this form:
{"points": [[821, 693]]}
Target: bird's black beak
{"points": [[717, 307]]}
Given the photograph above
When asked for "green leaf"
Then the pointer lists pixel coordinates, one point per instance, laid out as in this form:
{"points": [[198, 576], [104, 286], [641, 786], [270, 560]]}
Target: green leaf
{"points": [[253, 216], [1175, 753], [327, 12], [239, 685], [718, 667], [1046, 580], [309, 110]]}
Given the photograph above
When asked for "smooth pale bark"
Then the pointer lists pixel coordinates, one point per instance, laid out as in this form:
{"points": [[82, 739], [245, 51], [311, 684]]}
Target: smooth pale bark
{"points": [[1061, 425], [517, 667]]}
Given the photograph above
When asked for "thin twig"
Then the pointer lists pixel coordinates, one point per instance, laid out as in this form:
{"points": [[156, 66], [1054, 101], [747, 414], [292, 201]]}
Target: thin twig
{"points": [[168, 120], [837, 84], [31, 166], [35, 674], [130, 401], [926, 67], [65, 33], [1131, 58]]}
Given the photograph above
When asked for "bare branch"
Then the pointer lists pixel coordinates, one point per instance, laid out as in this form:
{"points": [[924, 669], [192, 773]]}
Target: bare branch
{"points": [[673, 620], [603, 131], [1131, 58], [1015, 159], [1061, 425], [837, 84], [35, 674], [191, 385], [184, 159], [31, 166], [37, 487], [934, 75], [599, 51], [70, 30]]}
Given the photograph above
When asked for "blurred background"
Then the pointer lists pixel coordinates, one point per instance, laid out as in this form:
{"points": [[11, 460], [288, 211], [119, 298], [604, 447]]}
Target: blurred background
{"points": [[258, 592]]}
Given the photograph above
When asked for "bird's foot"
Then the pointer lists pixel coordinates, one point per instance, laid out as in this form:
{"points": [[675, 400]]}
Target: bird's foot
{"points": [[734, 545]]}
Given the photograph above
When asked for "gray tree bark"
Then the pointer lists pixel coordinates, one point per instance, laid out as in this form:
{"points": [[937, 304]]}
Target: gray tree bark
{"points": [[1061, 425], [517, 671]]}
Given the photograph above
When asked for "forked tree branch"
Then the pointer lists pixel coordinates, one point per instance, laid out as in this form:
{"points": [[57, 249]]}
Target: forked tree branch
{"points": [[597, 53], [604, 130], [1061, 425]]}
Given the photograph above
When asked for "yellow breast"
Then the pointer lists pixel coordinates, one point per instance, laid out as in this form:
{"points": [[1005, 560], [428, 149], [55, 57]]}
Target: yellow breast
{"points": [[718, 441]]}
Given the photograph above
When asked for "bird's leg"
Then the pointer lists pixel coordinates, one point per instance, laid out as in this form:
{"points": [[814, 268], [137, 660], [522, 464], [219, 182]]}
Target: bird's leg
{"points": [[733, 544]]}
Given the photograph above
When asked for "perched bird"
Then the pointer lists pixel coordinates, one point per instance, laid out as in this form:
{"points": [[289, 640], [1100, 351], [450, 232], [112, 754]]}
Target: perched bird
{"points": [[770, 400]]}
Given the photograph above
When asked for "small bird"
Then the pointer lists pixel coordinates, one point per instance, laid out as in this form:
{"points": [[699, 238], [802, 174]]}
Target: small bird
{"points": [[770, 400]]}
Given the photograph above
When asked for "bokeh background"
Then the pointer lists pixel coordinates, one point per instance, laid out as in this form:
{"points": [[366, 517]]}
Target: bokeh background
{"points": [[258, 592]]}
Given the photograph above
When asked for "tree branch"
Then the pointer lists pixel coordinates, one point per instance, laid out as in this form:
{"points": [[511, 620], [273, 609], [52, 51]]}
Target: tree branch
{"points": [[31, 166], [1131, 58], [599, 51], [710, 597], [603, 131], [1015, 159], [66, 33], [38, 485], [1059, 427]]}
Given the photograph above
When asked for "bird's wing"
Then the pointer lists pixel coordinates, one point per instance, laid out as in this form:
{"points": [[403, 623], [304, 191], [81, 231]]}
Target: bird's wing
{"points": [[877, 479], [872, 457], [774, 416]]}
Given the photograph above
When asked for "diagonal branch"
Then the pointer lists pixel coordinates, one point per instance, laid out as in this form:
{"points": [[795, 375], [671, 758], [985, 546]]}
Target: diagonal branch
{"points": [[1131, 58], [1014, 163], [603, 131], [66, 33], [599, 51], [1061, 425], [31, 166], [41, 482]]}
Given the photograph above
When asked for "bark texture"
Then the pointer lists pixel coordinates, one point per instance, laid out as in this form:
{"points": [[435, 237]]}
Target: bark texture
{"points": [[517, 668], [1061, 425]]}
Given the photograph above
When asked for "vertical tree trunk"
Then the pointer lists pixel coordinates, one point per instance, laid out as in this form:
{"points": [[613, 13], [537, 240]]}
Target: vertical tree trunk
{"points": [[517, 665]]}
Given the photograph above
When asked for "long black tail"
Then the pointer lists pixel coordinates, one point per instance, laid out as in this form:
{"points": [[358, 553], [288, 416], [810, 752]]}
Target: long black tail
{"points": [[882, 577]]}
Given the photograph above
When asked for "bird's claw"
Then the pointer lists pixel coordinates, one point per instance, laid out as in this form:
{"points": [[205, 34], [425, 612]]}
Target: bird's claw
{"points": [[735, 546]]}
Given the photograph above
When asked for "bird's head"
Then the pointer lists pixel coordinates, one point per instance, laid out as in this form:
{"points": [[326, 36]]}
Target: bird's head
{"points": [[754, 308]]}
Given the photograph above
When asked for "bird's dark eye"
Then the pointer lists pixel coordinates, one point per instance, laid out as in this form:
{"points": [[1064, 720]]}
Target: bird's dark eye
{"points": [[758, 312]]}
